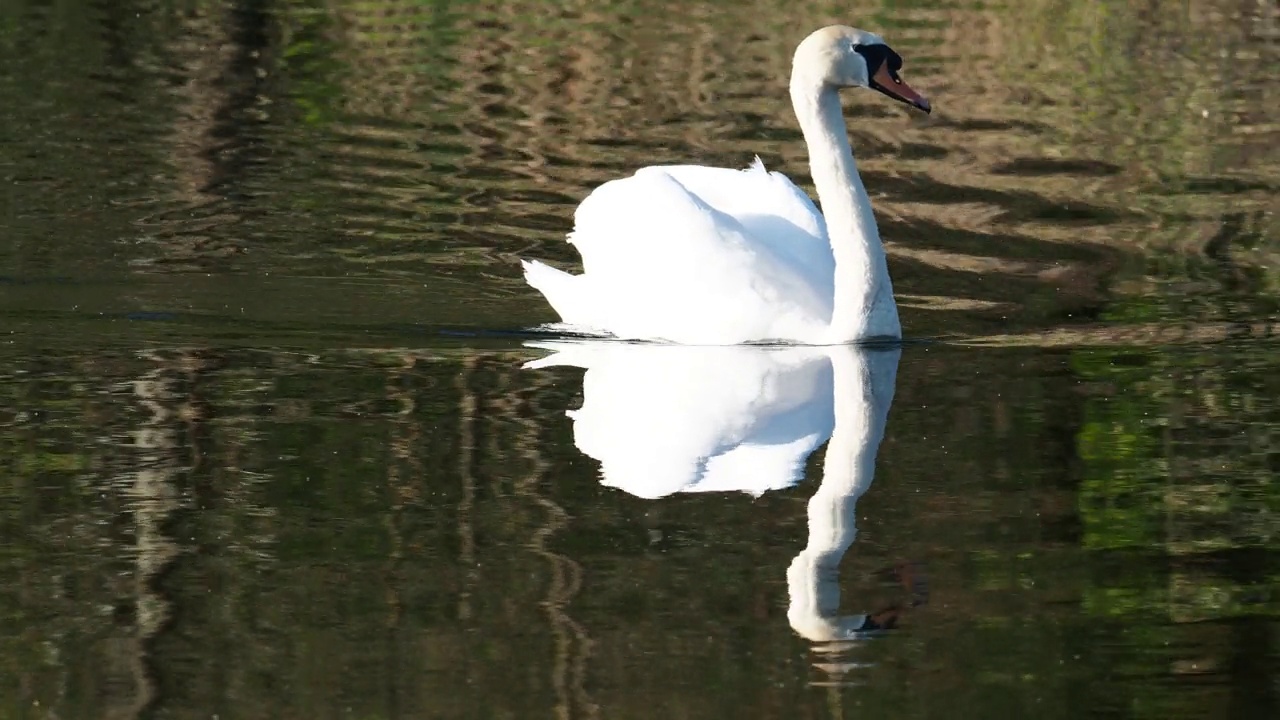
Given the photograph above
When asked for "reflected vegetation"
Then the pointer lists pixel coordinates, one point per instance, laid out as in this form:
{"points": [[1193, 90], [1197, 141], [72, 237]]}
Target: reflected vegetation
{"points": [[1087, 155], [240, 529], [267, 449]]}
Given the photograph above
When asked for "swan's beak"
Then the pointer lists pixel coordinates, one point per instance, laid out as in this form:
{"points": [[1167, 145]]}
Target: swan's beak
{"points": [[888, 82]]}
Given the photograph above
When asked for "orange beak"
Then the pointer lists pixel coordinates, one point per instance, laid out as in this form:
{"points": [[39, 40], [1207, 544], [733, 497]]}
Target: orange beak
{"points": [[888, 82]]}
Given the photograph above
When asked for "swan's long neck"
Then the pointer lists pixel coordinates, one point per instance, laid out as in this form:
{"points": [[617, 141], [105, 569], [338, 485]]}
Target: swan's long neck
{"points": [[863, 298]]}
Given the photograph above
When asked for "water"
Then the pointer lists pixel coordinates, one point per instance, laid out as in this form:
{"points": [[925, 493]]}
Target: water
{"points": [[269, 450]]}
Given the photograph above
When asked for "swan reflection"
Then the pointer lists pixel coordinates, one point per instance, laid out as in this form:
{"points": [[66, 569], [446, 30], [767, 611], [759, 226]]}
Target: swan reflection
{"points": [[664, 419]]}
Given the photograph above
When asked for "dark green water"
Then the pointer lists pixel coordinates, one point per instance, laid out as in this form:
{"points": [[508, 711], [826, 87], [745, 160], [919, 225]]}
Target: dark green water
{"points": [[268, 449]]}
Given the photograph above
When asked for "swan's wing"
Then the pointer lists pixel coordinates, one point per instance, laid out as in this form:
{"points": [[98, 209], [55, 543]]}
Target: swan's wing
{"points": [[661, 262], [767, 204], [750, 193]]}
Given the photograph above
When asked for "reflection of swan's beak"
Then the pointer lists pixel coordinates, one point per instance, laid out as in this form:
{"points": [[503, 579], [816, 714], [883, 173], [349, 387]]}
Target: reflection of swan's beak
{"points": [[889, 83]]}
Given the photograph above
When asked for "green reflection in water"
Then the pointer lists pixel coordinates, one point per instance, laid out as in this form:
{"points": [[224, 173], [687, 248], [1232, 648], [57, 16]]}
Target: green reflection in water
{"points": [[224, 493], [406, 532]]}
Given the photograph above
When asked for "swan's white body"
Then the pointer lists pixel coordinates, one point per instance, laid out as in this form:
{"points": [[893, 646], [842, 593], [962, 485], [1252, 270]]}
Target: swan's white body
{"points": [[699, 255], [663, 419]]}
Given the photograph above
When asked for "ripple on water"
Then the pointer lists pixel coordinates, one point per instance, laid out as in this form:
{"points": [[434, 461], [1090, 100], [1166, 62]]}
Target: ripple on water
{"points": [[389, 138], [262, 395]]}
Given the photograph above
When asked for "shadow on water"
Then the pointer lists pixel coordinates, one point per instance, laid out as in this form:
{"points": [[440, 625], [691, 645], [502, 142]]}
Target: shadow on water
{"points": [[268, 448]]}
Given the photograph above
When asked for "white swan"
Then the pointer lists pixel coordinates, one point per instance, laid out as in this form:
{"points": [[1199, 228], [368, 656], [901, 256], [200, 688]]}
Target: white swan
{"points": [[663, 419], [713, 256]]}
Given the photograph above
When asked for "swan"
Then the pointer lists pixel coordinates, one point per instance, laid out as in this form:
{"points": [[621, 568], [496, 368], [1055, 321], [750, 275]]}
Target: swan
{"points": [[713, 256], [664, 419]]}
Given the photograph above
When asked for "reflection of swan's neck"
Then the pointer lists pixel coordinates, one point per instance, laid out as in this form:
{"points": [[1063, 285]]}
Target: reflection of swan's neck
{"points": [[863, 293], [863, 383]]}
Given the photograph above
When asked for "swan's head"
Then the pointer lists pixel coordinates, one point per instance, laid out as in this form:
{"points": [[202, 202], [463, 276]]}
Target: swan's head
{"points": [[840, 56]]}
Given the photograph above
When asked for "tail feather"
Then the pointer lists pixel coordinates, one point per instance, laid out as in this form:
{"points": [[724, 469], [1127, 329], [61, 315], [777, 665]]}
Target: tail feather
{"points": [[562, 290]]}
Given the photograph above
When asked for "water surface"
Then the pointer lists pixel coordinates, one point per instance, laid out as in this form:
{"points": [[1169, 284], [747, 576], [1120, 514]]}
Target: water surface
{"points": [[269, 448]]}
